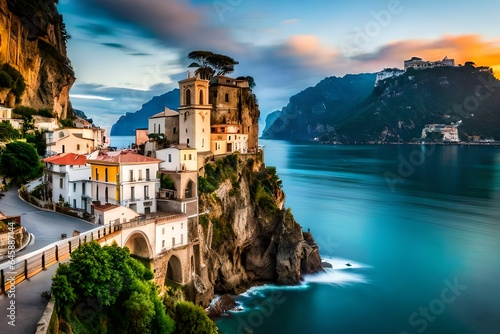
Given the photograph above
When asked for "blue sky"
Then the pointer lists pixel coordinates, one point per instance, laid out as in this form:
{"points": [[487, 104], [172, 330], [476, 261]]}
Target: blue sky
{"points": [[124, 52]]}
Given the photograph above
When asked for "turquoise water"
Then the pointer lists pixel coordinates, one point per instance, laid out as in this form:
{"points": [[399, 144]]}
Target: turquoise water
{"points": [[420, 226]]}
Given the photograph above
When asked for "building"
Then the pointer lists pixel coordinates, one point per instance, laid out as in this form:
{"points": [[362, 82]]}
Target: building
{"points": [[419, 64], [112, 214], [227, 139], [126, 178], [194, 114], [441, 132], [180, 167], [75, 140], [171, 232], [68, 177], [166, 123]]}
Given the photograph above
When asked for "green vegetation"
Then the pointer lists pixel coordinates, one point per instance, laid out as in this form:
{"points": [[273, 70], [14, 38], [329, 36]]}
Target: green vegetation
{"points": [[211, 64], [20, 162], [11, 78], [264, 186], [166, 182], [7, 132], [215, 174], [105, 290]]}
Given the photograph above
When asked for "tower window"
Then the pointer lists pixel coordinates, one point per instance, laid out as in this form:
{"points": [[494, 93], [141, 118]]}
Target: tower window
{"points": [[201, 97], [187, 97]]}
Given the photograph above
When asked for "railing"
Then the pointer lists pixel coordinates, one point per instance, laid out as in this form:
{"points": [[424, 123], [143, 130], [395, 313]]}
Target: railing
{"points": [[20, 268]]}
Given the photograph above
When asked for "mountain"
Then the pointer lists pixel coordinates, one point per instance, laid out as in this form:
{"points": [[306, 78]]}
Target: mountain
{"points": [[126, 125], [34, 67], [312, 112], [399, 106]]}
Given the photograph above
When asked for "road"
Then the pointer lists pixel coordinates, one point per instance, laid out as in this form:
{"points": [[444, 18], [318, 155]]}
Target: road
{"points": [[47, 228]]}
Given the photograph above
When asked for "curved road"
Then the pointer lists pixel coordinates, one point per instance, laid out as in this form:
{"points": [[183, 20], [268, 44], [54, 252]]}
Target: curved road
{"points": [[47, 228]]}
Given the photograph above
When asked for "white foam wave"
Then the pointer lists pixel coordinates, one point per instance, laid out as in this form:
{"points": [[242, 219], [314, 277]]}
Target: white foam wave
{"points": [[343, 272], [259, 291]]}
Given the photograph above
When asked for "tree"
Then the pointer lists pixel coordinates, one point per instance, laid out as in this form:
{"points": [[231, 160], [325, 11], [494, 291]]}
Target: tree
{"points": [[7, 132], [191, 318], [211, 64], [20, 162]]}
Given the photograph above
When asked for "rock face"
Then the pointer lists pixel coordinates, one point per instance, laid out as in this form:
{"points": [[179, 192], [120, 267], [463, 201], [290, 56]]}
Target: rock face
{"points": [[249, 241], [33, 41]]}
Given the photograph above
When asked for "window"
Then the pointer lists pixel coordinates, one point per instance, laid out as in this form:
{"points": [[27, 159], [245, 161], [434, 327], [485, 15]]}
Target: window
{"points": [[184, 157], [163, 231], [201, 97], [140, 174], [78, 147], [106, 175], [97, 193], [229, 137], [202, 142], [63, 150], [163, 244], [182, 226], [170, 158], [226, 97], [61, 184], [132, 193], [173, 242], [74, 187], [147, 175], [182, 239], [187, 97], [83, 188], [106, 199], [97, 174], [175, 130], [131, 175], [190, 156], [146, 192], [74, 203]]}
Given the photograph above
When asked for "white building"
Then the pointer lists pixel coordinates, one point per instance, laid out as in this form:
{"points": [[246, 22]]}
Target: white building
{"points": [[171, 232], [227, 139], [69, 176], [75, 140], [449, 133], [178, 158], [419, 64], [127, 179]]}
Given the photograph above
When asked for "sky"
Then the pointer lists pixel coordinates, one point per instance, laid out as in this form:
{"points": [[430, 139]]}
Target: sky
{"points": [[125, 52]]}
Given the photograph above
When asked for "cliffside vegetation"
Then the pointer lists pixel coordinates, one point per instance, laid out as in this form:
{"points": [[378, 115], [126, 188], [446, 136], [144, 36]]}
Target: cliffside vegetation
{"points": [[250, 237], [105, 290], [19, 162], [12, 80]]}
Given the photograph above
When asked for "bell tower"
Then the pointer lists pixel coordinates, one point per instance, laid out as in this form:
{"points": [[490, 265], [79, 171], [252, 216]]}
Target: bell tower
{"points": [[194, 113]]}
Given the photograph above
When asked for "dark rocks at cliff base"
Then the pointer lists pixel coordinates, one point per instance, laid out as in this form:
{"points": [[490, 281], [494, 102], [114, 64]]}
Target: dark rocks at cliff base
{"points": [[221, 306]]}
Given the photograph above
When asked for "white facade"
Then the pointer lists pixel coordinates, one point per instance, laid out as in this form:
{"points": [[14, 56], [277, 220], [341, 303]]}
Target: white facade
{"points": [[177, 159], [72, 182], [171, 232], [113, 214], [138, 187]]}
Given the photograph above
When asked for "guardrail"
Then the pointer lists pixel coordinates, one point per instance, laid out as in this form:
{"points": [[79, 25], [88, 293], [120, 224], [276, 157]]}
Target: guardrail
{"points": [[20, 268]]}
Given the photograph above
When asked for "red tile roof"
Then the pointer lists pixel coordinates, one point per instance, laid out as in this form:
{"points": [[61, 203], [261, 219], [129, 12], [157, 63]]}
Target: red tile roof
{"points": [[127, 157], [67, 159]]}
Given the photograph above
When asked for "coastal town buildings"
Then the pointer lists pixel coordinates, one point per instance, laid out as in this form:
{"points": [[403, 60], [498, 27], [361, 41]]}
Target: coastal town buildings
{"points": [[441, 132], [125, 178], [67, 177], [76, 140]]}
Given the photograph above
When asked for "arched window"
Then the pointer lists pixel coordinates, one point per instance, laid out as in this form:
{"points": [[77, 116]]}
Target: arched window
{"points": [[187, 97], [201, 97]]}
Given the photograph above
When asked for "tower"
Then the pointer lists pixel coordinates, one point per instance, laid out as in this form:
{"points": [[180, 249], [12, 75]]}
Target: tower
{"points": [[194, 113]]}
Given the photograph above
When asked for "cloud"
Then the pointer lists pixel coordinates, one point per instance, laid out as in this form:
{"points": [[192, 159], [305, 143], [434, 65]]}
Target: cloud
{"points": [[462, 48], [291, 21], [173, 22]]}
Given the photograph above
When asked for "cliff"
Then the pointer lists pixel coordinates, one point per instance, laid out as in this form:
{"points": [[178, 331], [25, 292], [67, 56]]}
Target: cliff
{"points": [[247, 237], [33, 42]]}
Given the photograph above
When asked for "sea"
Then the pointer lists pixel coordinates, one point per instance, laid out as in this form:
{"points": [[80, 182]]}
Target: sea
{"points": [[412, 233]]}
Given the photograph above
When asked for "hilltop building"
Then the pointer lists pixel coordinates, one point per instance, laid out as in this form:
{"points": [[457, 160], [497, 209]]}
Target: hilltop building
{"points": [[418, 63]]}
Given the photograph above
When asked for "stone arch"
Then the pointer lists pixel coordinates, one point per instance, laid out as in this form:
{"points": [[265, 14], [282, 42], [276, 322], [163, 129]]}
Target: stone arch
{"points": [[174, 270], [187, 97], [139, 245], [190, 190]]}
